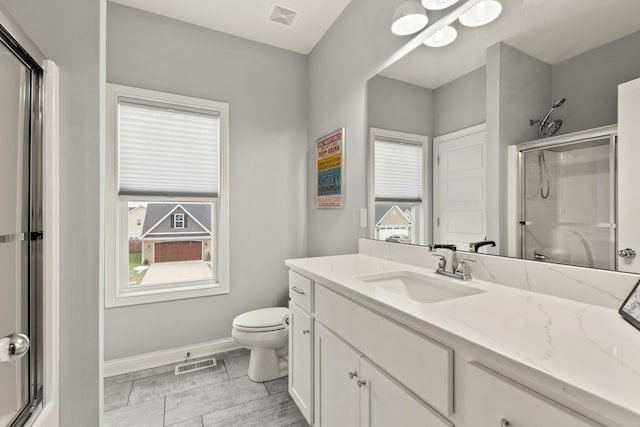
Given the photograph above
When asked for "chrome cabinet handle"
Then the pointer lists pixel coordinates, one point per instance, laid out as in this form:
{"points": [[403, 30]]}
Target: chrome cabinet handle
{"points": [[305, 332], [298, 290], [13, 347], [361, 383], [627, 253], [504, 423], [352, 374]]}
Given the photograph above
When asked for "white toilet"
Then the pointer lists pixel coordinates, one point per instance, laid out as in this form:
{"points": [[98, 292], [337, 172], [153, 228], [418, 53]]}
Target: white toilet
{"points": [[266, 333]]}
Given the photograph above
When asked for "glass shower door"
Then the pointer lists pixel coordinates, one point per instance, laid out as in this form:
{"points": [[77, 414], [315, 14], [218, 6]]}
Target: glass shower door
{"points": [[568, 203], [20, 258]]}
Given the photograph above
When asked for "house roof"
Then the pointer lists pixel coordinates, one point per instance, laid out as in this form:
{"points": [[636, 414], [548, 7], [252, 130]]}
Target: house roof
{"points": [[394, 216], [156, 212]]}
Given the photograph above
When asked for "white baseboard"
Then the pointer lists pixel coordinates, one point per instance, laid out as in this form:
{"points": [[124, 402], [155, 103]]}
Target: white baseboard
{"points": [[164, 357]]}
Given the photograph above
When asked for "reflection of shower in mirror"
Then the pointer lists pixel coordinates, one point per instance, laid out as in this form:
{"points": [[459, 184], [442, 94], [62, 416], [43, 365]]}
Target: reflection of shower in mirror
{"points": [[545, 130], [567, 198]]}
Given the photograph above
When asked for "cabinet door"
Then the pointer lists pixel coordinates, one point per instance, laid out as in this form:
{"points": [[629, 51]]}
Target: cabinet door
{"points": [[494, 401], [336, 391], [384, 403], [301, 359]]}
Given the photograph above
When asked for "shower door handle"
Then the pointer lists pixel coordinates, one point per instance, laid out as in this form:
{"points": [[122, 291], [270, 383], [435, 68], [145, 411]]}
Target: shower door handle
{"points": [[13, 347], [627, 253]]}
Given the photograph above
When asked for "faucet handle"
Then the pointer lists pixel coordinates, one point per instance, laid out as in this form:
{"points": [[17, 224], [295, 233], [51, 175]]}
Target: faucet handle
{"points": [[442, 263], [462, 267]]}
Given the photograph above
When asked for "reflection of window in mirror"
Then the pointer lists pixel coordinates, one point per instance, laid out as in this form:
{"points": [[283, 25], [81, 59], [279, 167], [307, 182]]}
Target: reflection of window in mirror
{"points": [[397, 204]]}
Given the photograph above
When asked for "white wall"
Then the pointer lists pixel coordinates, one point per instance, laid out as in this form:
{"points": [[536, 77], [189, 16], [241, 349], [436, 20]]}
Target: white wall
{"points": [[68, 32], [266, 88], [349, 54]]}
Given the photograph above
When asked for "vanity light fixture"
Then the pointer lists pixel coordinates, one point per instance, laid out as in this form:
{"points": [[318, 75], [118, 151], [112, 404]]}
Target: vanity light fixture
{"points": [[438, 4], [442, 37], [410, 17], [481, 14]]}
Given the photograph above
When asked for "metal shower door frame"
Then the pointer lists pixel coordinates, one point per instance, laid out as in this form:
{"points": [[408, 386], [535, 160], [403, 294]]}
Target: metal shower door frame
{"points": [[34, 235], [574, 138]]}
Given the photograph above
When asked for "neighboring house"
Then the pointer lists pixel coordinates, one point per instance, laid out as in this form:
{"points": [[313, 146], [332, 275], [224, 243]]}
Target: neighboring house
{"points": [[136, 220], [394, 222], [176, 232]]}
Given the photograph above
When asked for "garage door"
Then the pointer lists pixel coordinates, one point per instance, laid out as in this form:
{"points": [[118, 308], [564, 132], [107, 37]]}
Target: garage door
{"points": [[178, 251]]}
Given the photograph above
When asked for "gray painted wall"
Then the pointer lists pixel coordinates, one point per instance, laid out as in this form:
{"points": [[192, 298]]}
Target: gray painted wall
{"points": [[518, 89], [266, 88], [590, 83], [461, 103], [349, 54], [68, 32], [400, 106]]}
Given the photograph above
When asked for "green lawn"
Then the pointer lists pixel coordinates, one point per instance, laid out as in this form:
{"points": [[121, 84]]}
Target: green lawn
{"points": [[135, 260]]}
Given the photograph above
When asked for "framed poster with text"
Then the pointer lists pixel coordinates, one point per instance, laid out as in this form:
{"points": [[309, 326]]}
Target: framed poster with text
{"points": [[330, 170]]}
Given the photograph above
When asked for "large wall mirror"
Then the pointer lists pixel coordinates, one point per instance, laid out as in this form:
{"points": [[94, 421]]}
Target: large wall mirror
{"points": [[507, 141]]}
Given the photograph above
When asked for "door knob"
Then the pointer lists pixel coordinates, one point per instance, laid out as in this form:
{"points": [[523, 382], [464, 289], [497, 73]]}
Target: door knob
{"points": [[627, 253], [352, 374], [361, 383], [13, 347]]}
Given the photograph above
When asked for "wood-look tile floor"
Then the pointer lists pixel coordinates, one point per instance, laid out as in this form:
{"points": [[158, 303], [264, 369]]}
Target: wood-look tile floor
{"points": [[218, 396]]}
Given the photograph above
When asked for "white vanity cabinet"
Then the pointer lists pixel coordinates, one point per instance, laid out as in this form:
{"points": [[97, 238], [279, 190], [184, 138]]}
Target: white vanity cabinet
{"points": [[495, 401], [351, 391], [301, 332]]}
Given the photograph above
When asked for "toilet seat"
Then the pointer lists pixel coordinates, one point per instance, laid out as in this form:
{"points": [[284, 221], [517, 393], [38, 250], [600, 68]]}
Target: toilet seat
{"points": [[263, 320]]}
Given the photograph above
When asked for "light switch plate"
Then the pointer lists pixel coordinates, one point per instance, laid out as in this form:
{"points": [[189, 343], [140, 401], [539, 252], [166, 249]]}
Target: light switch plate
{"points": [[363, 218]]}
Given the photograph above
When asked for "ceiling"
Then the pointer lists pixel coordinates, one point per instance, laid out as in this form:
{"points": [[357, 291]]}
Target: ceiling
{"points": [[549, 30], [249, 18]]}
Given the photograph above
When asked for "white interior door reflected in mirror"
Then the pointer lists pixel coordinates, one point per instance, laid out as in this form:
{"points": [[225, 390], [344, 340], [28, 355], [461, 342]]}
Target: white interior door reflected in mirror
{"points": [[628, 155], [460, 195]]}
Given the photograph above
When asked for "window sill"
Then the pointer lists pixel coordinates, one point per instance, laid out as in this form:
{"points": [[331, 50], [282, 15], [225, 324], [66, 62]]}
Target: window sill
{"points": [[117, 298]]}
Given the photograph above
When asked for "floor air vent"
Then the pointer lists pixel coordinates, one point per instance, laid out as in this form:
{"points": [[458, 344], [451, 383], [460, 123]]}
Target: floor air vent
{"points": [[183, 368]]}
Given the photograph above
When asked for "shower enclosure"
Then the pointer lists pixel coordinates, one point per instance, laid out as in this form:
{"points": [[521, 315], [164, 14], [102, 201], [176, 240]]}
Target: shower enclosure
{"points": [[21, 244], [568, 199]]}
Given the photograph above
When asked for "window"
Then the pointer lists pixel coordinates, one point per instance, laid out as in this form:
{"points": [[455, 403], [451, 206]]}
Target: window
{"points": [[178, 220], [397, 184], [166, 165]]}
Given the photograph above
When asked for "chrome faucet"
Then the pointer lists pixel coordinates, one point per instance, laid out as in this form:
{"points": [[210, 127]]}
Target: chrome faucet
{"points": [[477, 245], [458, 268]]}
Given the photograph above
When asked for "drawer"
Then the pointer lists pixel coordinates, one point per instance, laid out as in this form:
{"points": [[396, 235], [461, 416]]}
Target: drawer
{"points": [[418, 363], [493, 400], [301, 291]]}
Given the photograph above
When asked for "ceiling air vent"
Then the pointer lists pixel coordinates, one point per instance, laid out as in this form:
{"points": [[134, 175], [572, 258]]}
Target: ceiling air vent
{"points": [[282, 15]]}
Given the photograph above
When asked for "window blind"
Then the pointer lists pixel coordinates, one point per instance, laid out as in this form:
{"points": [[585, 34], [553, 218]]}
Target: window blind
{"points": [[398, 171], [166, 151]]}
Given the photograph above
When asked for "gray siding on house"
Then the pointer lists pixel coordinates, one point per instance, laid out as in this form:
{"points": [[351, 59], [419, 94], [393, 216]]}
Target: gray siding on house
{"points": [[266, 89], [166, 225]]}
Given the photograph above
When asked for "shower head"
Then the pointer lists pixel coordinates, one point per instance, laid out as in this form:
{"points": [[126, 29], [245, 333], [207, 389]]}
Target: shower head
{"points": [[559, 103], [550, 129], [541, 130]]}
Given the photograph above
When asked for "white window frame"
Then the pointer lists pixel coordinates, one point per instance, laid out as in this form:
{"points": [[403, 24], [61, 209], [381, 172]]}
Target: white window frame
{"points": [[422, 215], [175, 220], [118, 293]]}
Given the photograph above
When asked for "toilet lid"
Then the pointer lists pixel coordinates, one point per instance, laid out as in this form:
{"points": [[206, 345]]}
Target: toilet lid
{"points": [[263, 319]]}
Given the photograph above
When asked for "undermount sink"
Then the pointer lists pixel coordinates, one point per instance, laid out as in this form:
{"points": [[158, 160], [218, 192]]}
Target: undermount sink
{"points": [[417, 287]]}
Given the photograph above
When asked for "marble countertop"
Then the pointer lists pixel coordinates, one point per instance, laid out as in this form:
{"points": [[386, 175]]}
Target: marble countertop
{"points": [[587, 354]]}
